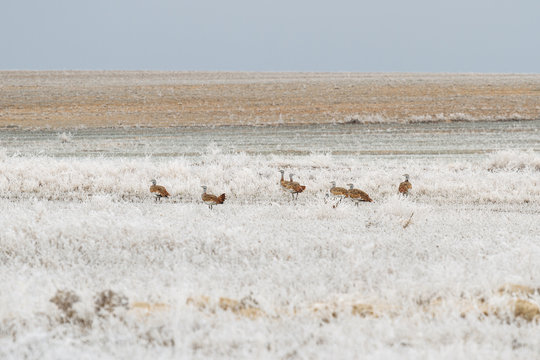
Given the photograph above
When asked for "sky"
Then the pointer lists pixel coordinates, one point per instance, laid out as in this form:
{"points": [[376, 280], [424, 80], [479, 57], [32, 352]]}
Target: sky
{"points": [[488, 36]]}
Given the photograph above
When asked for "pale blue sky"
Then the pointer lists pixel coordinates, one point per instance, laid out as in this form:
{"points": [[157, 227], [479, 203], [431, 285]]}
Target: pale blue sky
{"points": [[272, 35]]}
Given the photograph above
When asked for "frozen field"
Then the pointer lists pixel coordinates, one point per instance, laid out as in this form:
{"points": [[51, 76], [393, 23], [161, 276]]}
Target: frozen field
{"points": [[91, 267], [452, 139]]}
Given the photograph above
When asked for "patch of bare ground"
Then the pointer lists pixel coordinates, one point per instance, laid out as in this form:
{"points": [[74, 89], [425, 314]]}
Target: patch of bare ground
{"points": [[57, 99]]}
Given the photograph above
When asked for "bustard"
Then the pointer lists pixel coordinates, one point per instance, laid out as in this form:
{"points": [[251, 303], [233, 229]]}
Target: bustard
{"points": [[158, 191], [210, 199], [405, 186], [357, 195], [295, 188], [284, 183], [337, 192]]}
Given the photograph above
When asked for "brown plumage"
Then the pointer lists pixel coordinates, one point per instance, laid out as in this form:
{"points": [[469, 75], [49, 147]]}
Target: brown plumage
{"points": [[210, 199], [338, 192], [158, 191], [405, 186], [283, 183], [294, 187], [357, 195]]}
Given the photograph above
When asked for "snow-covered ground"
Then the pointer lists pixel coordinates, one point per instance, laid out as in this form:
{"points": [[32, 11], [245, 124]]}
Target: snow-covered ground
{"points": [[92, 267]]}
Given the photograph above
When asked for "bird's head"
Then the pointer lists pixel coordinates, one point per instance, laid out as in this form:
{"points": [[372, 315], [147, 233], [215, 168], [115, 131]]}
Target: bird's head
{"points": [[153, 181], [406, 176], [350, 186], [282, 171], [204, 188], [333, 183]]}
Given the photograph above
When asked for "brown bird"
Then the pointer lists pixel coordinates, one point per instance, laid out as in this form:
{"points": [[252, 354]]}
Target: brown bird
{"points": [[405, 186], [295, 188], [337, 192], [357, 195], [158, 190], [210, 199], [283, 183]]}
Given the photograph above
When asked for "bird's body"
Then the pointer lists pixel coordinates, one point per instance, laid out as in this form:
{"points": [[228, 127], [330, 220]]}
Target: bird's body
{"points": [[357, 195], [212, 200], [405, 186], [337, 192], [284, 183], [294, 187], [158, 191]]}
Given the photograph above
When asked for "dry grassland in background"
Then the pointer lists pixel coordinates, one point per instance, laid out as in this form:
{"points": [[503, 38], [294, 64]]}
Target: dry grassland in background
{"points": [[73, 99]]}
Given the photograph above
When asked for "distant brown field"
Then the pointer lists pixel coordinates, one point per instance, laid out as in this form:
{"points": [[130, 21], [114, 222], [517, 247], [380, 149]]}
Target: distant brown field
{"points": [[162, 99]]}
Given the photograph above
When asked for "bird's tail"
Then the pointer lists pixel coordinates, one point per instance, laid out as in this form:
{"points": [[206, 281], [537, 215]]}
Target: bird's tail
{"points": [[221, 198]]}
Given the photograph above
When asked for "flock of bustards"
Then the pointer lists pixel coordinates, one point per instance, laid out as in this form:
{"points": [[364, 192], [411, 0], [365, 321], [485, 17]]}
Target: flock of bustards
{"points": [[292, 187]]}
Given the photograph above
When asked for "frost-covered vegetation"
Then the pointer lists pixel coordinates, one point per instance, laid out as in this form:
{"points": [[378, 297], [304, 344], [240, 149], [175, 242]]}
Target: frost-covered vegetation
{"points": [[92, 266], [508, 177]]}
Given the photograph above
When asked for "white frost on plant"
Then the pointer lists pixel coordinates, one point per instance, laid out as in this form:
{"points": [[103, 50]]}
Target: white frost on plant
{"points": [[290, 258], [254, 178], [367, 119], [427, 118], [65, 137], [514, 160], [83, 242]]}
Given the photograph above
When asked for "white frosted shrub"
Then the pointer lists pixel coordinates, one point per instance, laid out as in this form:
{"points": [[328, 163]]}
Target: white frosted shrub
{"points": [[514, 160]]}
